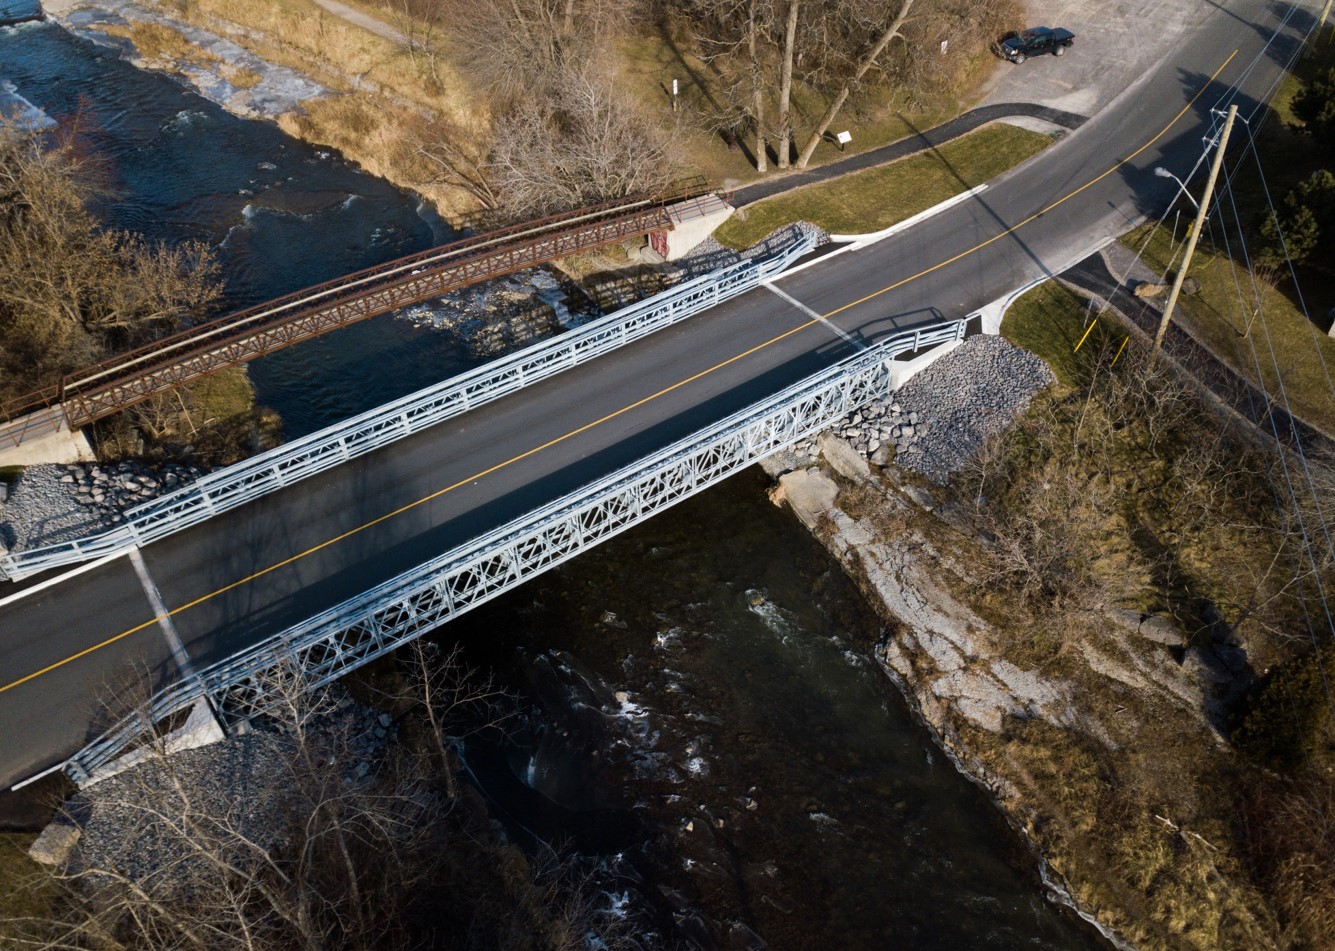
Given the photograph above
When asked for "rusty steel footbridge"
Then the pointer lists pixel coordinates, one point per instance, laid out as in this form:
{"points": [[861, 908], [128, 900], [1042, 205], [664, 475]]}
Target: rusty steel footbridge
{"points": [[103, 389]]}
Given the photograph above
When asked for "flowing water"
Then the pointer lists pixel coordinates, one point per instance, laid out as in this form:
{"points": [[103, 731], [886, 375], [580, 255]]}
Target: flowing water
{"points": [[282, 215], [702, 702], [706, 708]]}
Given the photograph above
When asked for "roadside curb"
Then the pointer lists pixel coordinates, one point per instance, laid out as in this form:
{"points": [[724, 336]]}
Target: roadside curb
{"points": [[992, 314], [862, 240]]}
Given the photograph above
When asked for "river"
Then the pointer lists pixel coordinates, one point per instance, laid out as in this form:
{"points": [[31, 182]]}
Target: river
{"points": [[702, 705]]}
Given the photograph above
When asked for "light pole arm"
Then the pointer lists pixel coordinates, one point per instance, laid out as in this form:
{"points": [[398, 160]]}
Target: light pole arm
{"points": [[1162, 172]]}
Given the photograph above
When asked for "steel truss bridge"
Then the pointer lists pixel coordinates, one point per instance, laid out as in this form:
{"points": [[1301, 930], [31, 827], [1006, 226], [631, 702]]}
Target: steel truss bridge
{"points": [[368, 626], [94, 392], [310, 455]]}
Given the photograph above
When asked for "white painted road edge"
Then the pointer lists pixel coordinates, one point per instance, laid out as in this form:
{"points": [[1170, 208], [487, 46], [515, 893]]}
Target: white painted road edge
{"points": [[74, 572], [862, 240]]}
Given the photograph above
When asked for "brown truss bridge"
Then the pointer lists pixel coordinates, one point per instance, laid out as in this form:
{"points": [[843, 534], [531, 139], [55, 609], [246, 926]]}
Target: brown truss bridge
{"points": [[105, 388]]}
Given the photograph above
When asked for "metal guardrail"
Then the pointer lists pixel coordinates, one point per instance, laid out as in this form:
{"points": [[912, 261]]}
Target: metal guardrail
{"points": [[236, 485], [359, 630]]}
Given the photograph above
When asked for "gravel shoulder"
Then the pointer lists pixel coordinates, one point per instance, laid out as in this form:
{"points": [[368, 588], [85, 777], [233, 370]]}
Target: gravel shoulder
{"points": [[935, 423]]}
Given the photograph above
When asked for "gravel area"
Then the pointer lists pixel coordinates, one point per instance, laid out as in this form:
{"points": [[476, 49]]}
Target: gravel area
{"points": [[941, 416], [47, 504], [244, 781]]}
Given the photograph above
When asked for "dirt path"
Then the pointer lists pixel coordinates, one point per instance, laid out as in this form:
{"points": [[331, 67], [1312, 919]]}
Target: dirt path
{"points": [[366, 22]]}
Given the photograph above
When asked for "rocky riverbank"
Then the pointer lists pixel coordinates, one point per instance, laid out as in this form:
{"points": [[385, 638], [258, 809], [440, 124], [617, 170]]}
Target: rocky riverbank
{"points": [[1091, 753], [47, 504]]}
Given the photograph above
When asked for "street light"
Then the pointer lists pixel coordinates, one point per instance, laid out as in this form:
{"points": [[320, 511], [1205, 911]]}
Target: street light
{"points": [[1164, 173]]}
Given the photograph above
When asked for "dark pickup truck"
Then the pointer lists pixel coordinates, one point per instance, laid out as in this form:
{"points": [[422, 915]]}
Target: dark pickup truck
{"points": [[1040, 39]]}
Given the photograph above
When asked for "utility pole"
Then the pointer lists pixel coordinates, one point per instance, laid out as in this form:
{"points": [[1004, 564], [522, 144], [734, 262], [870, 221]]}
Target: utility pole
{"points": [[1194, 236]]}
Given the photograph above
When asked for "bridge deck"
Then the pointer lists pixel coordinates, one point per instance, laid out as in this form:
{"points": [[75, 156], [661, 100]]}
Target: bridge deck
{"points": [[257, 570]]}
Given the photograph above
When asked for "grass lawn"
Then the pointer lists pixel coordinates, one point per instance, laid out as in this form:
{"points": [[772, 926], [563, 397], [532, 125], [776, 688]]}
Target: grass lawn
{"points": [[1050, 320], [1220, 317], [863, 202], [21, 895]]}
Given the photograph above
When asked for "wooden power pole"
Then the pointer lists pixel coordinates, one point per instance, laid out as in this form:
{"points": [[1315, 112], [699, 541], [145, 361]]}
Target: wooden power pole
{"points": [[1195, 235]]}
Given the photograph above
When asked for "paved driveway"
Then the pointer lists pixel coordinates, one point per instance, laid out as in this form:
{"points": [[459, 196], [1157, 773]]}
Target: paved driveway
{"points": [[1116, 45]]}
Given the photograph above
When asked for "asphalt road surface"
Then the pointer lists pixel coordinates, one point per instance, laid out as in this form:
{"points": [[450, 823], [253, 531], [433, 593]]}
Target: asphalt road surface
{"points": [[67, 642]]}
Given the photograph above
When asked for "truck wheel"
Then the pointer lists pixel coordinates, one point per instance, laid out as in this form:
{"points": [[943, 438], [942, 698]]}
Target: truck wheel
{"points": [[1059, 51], [1019, 58]]}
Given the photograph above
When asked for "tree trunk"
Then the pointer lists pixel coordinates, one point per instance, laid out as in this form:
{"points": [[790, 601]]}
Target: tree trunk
{"points": [[867, 62], [786, 84], [757, 91]]}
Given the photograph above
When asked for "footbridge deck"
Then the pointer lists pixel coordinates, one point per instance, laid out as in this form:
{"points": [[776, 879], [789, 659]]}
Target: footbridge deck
{"points": [[105, 388]]}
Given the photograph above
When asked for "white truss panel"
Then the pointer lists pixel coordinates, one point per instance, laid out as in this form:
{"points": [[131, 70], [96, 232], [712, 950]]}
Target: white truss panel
{"points": [[368, 626]]}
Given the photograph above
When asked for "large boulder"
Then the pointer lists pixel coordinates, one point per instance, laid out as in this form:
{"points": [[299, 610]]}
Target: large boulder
{"points": [[810, 493], [843, 458], [54, 845]]}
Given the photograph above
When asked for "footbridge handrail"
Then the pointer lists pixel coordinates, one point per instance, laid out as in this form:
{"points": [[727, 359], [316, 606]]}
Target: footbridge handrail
{"points": [[236, 485], [363, 628]]}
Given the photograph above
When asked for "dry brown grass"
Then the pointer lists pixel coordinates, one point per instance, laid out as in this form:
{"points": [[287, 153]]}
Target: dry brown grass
{"points": [[1156, 862], [1138, 817], [24, 891], [1134, 799], [160, 44], [240, 77], [380, 96], [1226, 318]]}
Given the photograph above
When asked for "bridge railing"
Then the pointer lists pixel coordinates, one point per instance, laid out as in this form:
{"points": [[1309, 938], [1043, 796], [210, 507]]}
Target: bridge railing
{"points": [[236, 485], [359, 630]]}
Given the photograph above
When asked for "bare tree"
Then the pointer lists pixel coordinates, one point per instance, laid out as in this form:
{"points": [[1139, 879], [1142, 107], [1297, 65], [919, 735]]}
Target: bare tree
{"points": [[583, 145], [785, 128], [421, 23], [457, 157], [523, 49], [304, 833], [294, 852], [866, 61], [72, 289], [454, 700], [752, 46]]}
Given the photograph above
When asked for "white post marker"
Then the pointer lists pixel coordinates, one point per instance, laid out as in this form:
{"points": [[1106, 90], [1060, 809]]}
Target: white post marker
{"points": [[943, 47], [674, 95]]}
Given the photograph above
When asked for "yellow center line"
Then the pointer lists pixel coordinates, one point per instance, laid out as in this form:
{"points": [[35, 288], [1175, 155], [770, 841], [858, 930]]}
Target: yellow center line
{"points": [[613, 415]]}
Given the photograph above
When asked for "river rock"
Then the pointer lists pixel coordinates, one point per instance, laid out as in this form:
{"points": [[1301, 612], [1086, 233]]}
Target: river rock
{"points": [[810, 493], [942, 415], [55, 843], [978, 698], [1152, 627]]}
